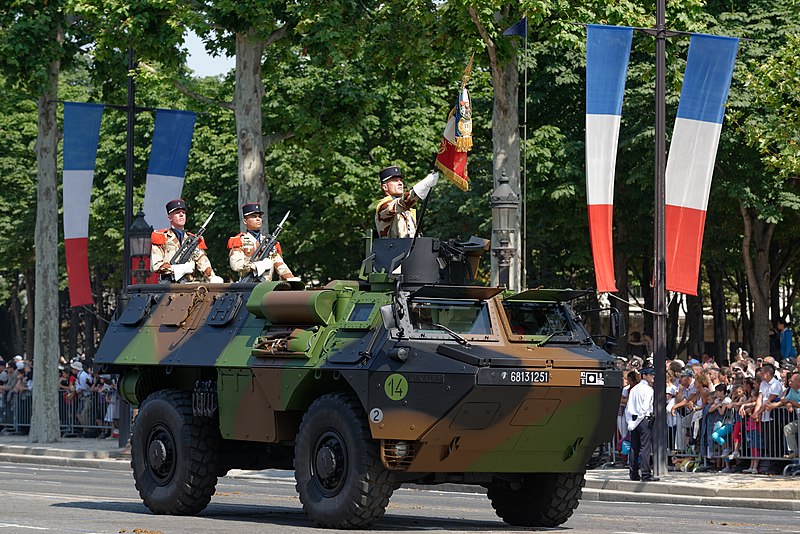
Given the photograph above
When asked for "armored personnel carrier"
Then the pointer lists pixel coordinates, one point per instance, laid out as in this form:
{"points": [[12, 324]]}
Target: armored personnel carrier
{"points": [[408, 374]]}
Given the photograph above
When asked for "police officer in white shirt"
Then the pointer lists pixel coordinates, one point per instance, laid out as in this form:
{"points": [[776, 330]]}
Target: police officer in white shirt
{"points": [[639, 414]]}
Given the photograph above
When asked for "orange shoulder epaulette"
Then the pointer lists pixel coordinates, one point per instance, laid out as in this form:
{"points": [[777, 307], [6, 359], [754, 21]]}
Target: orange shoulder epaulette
{"points": [[159, 237], [235, 241], [202, 244], [278, 247]]}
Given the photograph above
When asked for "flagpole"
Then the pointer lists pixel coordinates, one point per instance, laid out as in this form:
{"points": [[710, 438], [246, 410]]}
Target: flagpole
{"points": [[525, 162], [659, 273]]}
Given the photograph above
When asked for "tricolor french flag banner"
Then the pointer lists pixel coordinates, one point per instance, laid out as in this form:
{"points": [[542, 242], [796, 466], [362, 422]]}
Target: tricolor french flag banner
{"points": [[692, 152], [608, 49], [172, 139], [81, 135]]}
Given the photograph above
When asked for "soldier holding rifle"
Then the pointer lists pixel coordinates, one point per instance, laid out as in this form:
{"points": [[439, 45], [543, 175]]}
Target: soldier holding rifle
{"points": [[255, 256], [177, 255]]}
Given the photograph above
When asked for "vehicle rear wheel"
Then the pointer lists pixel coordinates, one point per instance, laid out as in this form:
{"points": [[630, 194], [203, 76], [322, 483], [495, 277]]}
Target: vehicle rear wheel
{"points": [[340, 478], [174, 454], [542, 500]]}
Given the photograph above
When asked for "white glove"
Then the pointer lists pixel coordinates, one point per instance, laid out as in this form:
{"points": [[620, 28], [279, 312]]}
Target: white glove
{"points": [[262, 266], [631, 425], [424, 186], [182, 269], [214, 279]]}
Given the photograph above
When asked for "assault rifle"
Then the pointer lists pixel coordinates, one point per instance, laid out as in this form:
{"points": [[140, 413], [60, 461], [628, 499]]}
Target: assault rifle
{"points": [[265, 249], [187, 248]]}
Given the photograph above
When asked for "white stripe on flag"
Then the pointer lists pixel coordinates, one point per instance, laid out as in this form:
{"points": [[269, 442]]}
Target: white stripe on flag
{"points": [[77, 192], [160, 189], [690, 165], [602, 136]]}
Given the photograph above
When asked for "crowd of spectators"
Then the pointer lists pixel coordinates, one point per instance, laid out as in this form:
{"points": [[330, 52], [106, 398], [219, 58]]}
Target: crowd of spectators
{"points": [[740, 417], [88, 402]]}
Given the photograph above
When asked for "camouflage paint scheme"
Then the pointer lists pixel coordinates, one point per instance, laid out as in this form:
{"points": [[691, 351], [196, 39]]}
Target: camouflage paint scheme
{"points": [[273, 348]]}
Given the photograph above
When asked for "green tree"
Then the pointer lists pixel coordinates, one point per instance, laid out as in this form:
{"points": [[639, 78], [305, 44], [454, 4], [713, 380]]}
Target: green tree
{"points": [[32, 46]]}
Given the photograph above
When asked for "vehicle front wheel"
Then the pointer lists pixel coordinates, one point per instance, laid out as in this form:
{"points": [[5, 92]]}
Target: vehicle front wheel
{"points": [[174, 454], [541, 500], [340, 478]]}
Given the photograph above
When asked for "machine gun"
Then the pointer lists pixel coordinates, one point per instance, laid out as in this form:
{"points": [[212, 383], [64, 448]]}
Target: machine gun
{"points": [[187, 248], [265, 249]]}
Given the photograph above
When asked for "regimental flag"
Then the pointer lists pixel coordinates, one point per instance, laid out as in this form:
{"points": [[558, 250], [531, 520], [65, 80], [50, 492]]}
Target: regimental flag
{"points": [[520, 28], [690, 165], [457, 138], [172, 139], [81, 136], [607, 52]]}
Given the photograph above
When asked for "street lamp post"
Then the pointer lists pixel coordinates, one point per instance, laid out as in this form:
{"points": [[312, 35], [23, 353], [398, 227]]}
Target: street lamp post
{"points": [[504, 202], [139, 233]]}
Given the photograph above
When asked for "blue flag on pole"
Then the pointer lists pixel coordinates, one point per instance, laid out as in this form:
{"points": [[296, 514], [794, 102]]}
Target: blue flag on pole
{"points": [[520, 28]]}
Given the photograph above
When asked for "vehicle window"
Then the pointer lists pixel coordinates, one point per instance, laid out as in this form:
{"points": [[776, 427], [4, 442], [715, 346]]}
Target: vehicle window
{"points": [[361, 312], [462, 317], [536, 318]]}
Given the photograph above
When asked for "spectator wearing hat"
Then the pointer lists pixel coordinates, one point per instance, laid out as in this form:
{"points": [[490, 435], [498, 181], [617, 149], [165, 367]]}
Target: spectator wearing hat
{"points": [[639, 413], [394, 213], [166, 242], [242, 246], [685, 400], [83, 390]]}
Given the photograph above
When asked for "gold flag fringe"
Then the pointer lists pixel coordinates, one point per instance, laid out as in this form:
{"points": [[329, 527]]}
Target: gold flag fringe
{"points": [[457, 180], [463, 144]]}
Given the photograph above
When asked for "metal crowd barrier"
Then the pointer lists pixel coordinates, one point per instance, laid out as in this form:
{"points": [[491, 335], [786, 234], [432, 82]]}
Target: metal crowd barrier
{"points": [[89, 414], [699, 439]]}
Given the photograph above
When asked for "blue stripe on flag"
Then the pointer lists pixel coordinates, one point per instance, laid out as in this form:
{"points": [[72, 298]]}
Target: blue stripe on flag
{"points": [[607, 51], [709, 69], [172, 139], [81, 135]]}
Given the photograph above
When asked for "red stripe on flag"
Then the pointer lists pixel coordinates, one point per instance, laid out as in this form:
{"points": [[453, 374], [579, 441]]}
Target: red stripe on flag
{"points": [[684, 244], [600, 218], [453, 164], [80, 289]]}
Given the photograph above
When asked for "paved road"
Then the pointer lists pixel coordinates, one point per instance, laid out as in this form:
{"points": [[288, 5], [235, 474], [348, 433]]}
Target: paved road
{"points": [[43, 499]]}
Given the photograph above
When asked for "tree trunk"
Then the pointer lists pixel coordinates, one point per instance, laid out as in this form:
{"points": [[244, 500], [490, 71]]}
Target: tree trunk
{"points": [[621, 269], [44, 418], [757, 236], [646, 283], [30, 311], [15, 310], [775, 284], [505, 143], [672, 326], [247, 101], [505, 147], [718, 309], [74, 322], [694, 317]]}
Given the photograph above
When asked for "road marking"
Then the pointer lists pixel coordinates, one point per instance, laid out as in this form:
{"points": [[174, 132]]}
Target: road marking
{"points": [[16, 525]]}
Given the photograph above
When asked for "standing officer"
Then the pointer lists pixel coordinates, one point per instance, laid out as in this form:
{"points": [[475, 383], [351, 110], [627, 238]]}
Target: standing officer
{"points": [[166, 242], [242, 245], [639, 414], [394, 213]]}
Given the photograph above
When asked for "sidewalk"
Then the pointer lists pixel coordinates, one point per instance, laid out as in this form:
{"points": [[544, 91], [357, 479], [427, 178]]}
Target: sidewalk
{"points": [[712, 489]]}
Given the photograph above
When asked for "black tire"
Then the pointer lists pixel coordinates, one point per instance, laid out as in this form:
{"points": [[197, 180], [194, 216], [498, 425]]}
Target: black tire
{"points": [[174, 454], [542, 500], [340, 478]]}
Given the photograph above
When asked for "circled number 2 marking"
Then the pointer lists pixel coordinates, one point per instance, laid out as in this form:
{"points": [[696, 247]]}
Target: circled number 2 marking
{"points": [[376, 415], [396, 387]]}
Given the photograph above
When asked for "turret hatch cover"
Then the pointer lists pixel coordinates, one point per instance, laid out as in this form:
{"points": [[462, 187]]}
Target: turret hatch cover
{"points": [[550, 295], [456, 292]]}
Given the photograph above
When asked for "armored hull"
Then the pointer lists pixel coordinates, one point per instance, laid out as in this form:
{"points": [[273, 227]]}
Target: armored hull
{"points": [[370, 380]]}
